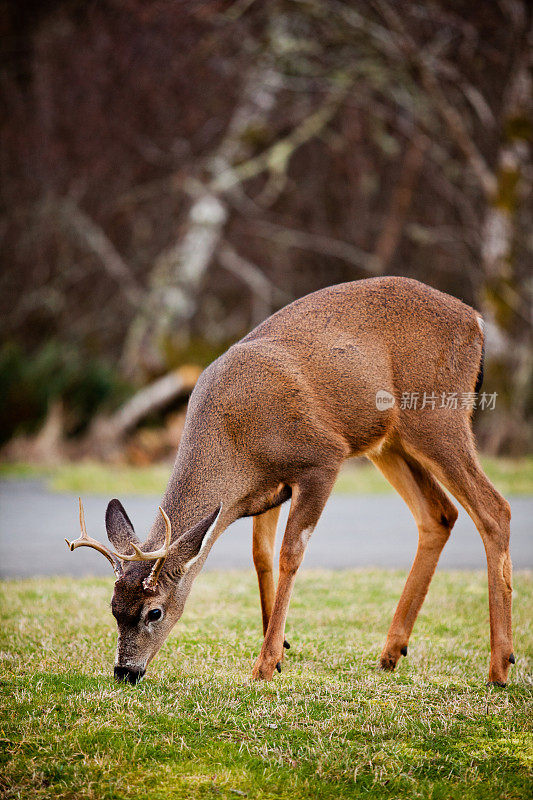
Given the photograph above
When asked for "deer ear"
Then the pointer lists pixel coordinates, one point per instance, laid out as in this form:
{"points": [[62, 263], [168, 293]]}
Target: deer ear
{"points": [[190, 545], [119, 528]]}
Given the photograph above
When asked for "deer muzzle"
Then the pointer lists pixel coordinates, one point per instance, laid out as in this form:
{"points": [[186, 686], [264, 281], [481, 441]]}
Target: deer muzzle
{"points": [[128, 675]]}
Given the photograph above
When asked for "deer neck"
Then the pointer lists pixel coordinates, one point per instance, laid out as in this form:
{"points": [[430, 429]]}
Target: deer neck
{"points": [[195, 488]]}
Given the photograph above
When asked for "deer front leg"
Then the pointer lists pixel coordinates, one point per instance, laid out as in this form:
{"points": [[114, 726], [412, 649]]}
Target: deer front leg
{"points": [[264, 539], [308, 500]]}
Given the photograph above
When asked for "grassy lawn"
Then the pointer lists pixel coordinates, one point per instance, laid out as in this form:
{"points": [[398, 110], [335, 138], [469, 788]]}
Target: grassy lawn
{"points": [[511, 476], [331, 726]]}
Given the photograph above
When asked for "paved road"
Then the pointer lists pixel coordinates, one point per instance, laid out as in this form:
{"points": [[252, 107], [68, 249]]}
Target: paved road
{"points": [[353, 532]]}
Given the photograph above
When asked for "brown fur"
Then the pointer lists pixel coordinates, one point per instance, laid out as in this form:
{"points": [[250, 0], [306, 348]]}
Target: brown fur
{"points": [[280, 411]]}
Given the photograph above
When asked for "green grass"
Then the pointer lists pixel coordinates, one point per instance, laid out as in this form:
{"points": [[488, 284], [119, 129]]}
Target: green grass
{"points": [[331, 726], [510, 476], [92, 477]]}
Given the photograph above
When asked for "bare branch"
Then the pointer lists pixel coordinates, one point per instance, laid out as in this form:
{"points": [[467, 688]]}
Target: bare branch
{"points": [[251, 275], [277, 157], [237, 9], [400, 201], [97, 241], [449, 114], [325, 245]]}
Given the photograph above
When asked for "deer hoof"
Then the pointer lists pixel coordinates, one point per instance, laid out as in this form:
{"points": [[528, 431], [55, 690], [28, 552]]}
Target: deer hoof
{"points": [[501, 684], [278, 666], [387, 662], [512, 659], [403, 651], [261, 673], [287, 646]]}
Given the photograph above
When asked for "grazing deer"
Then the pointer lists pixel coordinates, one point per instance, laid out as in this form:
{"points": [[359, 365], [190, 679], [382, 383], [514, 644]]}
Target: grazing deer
{"points": [[275, 417]]}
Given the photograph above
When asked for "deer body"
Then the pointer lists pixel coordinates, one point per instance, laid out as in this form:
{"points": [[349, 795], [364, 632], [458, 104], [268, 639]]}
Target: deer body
{"points": [[275, 417]]}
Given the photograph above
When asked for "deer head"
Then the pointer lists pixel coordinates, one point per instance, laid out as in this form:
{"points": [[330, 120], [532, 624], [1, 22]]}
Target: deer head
{"points": [[151, 585]]}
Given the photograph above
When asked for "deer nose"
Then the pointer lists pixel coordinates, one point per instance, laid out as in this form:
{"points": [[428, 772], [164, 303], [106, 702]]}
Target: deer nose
{"points": [[127, 675]]}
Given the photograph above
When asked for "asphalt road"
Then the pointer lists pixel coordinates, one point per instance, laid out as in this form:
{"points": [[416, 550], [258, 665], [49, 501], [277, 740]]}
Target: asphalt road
{"points": [[359, 531]]}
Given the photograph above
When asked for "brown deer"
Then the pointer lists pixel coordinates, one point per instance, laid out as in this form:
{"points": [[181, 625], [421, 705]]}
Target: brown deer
{"points": [[275, 417]]}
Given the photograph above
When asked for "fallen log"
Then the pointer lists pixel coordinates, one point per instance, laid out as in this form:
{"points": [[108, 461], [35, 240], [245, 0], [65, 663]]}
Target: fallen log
{"points": [[107, 433]]}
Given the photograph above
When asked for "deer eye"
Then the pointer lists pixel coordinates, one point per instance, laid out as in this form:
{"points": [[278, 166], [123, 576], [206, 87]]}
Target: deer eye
{"points": [[154, 615]]}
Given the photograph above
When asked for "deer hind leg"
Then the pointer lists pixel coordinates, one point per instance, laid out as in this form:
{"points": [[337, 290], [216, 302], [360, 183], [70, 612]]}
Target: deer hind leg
{"points": [[435, 516], [456, 465], [308, 499]]}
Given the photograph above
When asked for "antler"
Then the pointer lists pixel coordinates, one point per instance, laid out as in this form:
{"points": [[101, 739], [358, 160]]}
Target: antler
{"points": [[150, 583], [159, 556], [85, 540], [140, 555]]}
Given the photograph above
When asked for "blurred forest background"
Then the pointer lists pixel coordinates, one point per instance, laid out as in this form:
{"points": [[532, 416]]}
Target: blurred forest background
{"points": [[175, 171]]}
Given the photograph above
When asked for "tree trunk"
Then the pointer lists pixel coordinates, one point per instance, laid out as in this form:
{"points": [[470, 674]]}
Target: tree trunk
{"points": [[506, 303]]}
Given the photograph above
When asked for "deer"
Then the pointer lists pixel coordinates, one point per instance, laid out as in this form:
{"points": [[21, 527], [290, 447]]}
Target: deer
{"points": [[274, 418]]}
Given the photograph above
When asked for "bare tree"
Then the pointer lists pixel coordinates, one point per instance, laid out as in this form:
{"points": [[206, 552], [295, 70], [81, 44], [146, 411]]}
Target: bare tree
{"points": [[256, 152]]}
